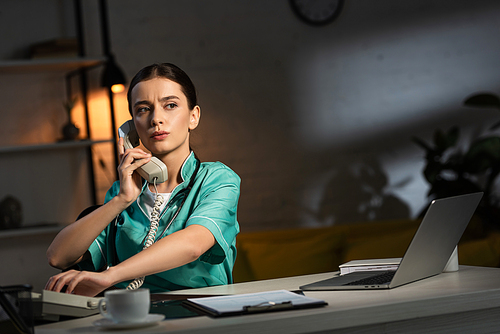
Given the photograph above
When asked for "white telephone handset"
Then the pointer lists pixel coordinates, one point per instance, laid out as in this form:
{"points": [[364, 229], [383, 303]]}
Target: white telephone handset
{"points": [[154, 168]]}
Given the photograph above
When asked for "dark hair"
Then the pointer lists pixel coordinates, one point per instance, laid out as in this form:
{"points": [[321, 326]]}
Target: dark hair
{"points": [[167, 71]]}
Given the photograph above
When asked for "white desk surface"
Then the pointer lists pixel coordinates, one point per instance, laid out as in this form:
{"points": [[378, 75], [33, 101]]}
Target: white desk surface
{"points": [[467, 301]]}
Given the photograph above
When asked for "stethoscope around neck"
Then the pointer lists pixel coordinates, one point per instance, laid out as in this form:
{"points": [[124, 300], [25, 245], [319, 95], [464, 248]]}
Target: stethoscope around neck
{"points": [[112, 232], [185, 193]]}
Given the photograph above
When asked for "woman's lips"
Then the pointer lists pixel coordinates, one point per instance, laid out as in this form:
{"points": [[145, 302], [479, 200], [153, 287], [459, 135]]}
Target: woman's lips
{"points": [[159, 135]]}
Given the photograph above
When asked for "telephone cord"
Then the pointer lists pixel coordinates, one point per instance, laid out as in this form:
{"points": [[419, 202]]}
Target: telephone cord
{"points": [[150, 239]]}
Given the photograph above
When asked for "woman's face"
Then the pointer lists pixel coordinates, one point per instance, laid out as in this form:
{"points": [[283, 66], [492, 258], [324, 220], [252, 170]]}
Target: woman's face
{"points": [[162, 116]]}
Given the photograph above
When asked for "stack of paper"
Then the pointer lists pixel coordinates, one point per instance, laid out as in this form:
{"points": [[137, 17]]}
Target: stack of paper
{"points": [[370, 265]]}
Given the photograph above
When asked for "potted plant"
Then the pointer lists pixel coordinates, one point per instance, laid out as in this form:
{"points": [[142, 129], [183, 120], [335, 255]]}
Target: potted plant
{"points": [[452, 170]]}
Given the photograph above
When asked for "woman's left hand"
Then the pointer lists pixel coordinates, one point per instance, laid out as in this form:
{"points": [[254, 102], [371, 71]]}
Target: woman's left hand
{"points": [[83, 283]]}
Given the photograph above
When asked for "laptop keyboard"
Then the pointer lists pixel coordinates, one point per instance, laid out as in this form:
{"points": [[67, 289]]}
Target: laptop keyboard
{"points": [[383, 278]]}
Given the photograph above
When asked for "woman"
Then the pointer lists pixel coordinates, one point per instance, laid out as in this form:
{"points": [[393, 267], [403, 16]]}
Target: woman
{"points": [[195, 242]]}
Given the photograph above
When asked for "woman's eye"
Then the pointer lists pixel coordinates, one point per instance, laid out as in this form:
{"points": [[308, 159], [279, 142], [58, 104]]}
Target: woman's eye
{"points": [[142, 109], [171, 106]]}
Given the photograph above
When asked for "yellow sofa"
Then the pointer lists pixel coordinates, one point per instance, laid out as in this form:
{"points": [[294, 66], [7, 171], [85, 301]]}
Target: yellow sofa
{"points": [[301, 251]]}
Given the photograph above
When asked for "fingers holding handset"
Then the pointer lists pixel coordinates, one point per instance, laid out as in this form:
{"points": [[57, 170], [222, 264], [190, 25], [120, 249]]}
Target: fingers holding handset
{"points": [[132, 158], [121, 148], [130, 161]]}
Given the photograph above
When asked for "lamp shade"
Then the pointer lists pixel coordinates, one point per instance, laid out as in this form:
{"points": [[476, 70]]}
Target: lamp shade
{"points": [[112, 74]]}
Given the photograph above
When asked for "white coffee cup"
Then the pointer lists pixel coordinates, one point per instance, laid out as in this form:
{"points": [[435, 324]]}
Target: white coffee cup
{"points": [[125, 306]]}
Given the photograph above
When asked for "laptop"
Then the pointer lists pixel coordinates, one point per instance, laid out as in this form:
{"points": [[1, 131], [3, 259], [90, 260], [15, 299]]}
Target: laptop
{"points": [[427, 255]]}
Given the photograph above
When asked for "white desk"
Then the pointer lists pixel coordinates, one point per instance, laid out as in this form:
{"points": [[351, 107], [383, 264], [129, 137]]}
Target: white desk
{"points": [[466, 301]]}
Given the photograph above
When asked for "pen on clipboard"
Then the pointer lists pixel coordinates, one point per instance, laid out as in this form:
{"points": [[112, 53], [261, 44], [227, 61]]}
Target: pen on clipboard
{"points": [[264, 306]]}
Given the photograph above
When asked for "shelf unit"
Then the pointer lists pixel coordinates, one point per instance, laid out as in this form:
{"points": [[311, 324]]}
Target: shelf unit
{"points": [[76, 67], [47, 165], [48, 65], [52, 146], [31, 231]]}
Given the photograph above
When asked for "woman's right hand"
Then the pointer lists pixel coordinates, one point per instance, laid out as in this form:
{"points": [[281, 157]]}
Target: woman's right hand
{"points": [[83, 283], [130, 180]]}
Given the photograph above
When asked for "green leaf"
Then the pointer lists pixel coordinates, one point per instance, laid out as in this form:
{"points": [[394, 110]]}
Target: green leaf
{"points": [[422, 144], [495, 126], [484, 100], [440, 140], [432, 171], [482, 155], [452, 136], [444, 141]]}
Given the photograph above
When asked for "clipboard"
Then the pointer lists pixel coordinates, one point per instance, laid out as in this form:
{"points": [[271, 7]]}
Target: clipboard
{"points": [[251, 303]]}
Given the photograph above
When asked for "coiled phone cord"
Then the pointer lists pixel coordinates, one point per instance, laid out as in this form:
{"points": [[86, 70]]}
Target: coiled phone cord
{"points": [[150, 238], [155, 219]]}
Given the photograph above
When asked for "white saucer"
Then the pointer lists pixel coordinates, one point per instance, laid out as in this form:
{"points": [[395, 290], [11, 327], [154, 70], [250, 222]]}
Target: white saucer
{"points": [[151, 319]]}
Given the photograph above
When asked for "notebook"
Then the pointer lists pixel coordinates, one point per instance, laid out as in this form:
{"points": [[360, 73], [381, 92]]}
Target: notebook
{"points": [[428, 253]]}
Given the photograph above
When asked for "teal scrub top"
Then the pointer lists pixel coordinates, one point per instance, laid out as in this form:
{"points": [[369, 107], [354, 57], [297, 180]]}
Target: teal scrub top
{"points": [[212, 202]]}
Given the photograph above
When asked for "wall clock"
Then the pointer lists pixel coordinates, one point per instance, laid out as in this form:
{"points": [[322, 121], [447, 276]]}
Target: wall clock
{"points": [[317, 12]]}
